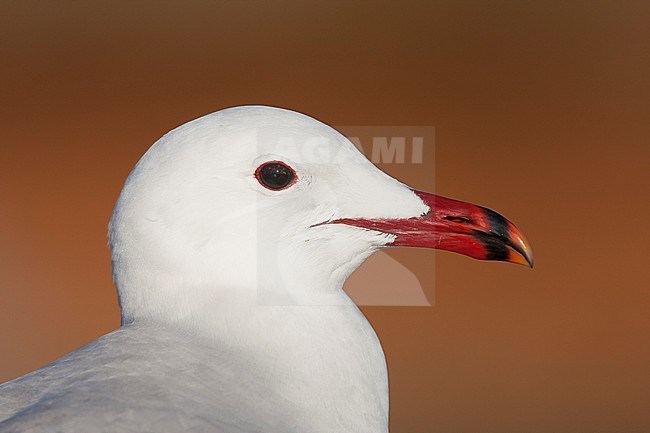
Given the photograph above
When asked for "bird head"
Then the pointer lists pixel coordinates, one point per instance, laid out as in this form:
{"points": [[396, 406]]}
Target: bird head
{"points": [[266, 204]]}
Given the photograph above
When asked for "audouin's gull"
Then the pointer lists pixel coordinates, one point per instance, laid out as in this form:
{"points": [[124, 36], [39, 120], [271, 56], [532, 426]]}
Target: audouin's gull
{"points": [[230, 243]]}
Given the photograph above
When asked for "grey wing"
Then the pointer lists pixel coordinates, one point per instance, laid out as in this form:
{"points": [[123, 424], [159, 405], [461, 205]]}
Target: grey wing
{"points": [[120, 382], [115, 405], [64, 413], [136, 379]]}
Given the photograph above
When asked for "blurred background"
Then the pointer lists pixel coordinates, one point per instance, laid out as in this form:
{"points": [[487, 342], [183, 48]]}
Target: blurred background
{"points": [[540, 110]]}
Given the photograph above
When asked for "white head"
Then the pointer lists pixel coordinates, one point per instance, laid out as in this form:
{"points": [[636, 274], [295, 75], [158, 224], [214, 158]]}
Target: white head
{"points": [[196, 224]]}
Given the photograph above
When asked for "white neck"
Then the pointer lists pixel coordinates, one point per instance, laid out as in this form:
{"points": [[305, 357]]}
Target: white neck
{"points": [[325, 359]]}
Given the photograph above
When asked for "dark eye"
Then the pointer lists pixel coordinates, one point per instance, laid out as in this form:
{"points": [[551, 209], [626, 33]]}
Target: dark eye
{"points": [[275, 175]]}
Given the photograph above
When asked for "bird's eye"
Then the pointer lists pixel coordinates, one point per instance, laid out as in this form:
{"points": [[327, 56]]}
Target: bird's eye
{"points": [[275, 175]]}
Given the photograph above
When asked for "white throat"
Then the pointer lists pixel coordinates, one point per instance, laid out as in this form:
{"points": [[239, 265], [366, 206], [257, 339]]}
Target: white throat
{"points": [[326, 360]]}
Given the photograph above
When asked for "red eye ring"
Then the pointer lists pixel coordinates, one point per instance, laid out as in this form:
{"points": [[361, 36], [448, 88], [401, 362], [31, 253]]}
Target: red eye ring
{"points": [[275, 175]]}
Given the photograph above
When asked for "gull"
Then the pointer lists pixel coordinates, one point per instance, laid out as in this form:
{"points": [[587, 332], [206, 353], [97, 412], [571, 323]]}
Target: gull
{"points": [[230, 243]]}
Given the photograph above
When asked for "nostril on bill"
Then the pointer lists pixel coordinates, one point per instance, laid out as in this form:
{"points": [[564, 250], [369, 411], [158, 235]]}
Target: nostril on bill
{"points": [[458, 219]]}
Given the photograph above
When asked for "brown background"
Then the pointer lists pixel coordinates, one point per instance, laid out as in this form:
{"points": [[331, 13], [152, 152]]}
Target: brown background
{"points": [[541, 112]]}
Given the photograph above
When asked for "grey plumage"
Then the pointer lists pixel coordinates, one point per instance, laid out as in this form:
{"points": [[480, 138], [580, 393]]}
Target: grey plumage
{"points": [[133, 378]]}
